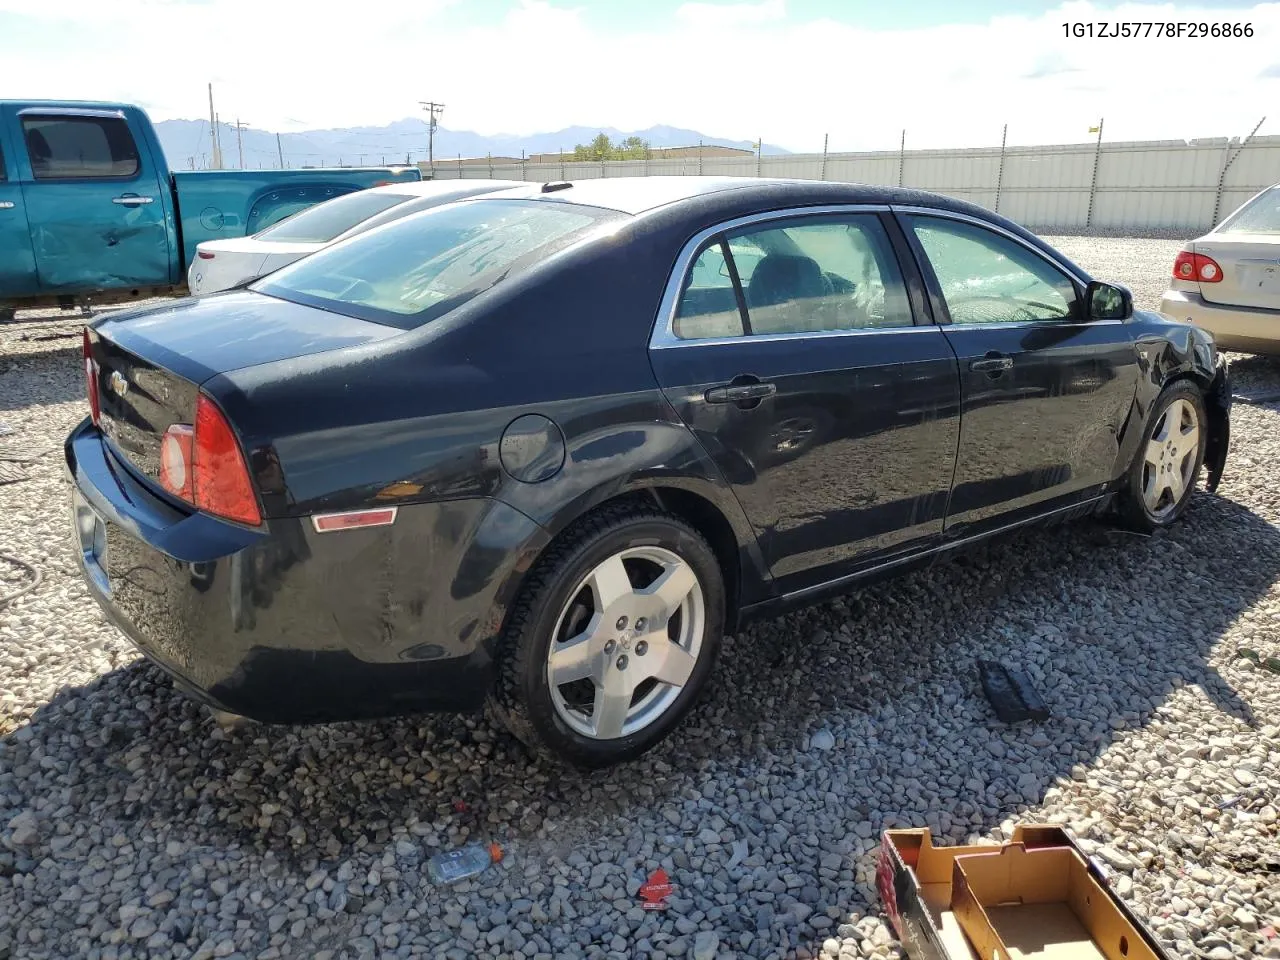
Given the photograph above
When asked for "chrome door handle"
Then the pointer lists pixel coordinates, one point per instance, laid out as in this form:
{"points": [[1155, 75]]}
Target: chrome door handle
{"points": [[6, 204], [735, 392], [131, 200], [992, 364]]}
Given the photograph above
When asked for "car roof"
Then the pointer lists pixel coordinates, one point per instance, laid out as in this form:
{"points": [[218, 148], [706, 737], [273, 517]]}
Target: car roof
{"points": [[637, 195], [444, 188]]}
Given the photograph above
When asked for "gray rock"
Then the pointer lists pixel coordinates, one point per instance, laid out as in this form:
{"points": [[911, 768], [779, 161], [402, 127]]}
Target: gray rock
{"points": [[142, 928], [705, 945], [822, 740], [24, 829], [1244, 919]]}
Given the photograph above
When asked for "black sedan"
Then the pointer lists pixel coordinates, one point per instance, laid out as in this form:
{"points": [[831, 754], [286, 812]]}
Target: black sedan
{"points": [[542, 452]]}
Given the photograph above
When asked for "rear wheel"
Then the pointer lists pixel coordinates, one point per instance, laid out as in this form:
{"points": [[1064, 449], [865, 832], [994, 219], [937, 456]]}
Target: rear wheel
{"points": [[1163, 477], [7, 314], [612, 638]]}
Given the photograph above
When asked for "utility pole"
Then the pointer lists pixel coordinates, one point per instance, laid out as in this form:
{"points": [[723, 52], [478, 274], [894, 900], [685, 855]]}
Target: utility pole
{"points": [[213, 127], [279, 151], [240, 141], [433, 116]]}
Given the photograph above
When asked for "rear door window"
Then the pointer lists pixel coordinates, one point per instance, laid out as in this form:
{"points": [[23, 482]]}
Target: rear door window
{"points": [[709, 304], [80, 148], [816, 275]]}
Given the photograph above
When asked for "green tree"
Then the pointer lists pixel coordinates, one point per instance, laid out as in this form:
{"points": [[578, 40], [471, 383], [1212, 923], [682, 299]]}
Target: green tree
{"points": [[602, 148], [633, 148]]}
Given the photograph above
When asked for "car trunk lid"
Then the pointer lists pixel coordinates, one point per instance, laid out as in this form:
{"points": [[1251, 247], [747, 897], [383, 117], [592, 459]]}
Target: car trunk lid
{"points": [[1250, 270], [150, 364]]}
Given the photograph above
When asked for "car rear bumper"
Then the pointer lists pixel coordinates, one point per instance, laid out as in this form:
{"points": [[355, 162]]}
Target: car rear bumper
{"points": [[288, 625], [1247, 329]]}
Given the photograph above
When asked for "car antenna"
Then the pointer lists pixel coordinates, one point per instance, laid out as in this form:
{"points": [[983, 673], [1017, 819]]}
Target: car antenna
{"points": [[555, 185]]}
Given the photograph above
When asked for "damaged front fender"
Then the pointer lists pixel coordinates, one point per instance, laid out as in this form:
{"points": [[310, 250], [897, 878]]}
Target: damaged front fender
{"points": [[1217, 405]]}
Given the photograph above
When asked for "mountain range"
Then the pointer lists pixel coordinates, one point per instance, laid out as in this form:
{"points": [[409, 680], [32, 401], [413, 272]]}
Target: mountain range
{"points": [[187, 143]]}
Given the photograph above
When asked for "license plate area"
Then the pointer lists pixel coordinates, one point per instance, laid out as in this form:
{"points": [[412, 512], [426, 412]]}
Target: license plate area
{"points": [[91, 541]]}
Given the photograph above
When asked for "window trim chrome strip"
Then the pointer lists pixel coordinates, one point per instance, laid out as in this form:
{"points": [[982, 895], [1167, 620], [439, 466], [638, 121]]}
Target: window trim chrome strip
{"points": [[663, 337]]}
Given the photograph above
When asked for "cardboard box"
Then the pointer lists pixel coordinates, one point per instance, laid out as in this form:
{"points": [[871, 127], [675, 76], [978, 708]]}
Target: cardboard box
{"points": [[1037, 897]]}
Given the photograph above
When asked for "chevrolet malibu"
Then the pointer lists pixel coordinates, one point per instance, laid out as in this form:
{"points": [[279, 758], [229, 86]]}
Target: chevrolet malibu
{"points": [[543, 452]]}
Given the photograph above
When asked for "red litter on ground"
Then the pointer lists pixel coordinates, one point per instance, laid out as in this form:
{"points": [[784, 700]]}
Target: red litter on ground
{"points": [[460, 806], [655, 891]]}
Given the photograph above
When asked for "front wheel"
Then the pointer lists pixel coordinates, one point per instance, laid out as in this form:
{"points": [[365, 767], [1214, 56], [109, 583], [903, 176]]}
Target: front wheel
{"points": [[1163, 477], [612, 639]]}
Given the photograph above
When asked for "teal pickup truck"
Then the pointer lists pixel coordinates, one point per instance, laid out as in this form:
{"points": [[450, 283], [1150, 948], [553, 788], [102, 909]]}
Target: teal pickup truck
{"points": [[91, 212]]}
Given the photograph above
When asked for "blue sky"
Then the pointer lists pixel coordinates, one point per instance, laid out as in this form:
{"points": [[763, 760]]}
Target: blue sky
{"points": [[950, 73]]}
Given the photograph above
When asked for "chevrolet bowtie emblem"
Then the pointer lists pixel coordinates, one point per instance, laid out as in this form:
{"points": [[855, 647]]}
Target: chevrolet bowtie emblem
{"points": [[118, 384]]}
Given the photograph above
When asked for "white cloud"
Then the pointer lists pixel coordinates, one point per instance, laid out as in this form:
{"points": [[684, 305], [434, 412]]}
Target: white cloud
{"points": [[730, 70], [731, 14]]}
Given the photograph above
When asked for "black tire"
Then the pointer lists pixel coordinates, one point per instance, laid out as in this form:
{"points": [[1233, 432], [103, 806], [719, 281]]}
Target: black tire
{"points": [[522, 699], [7, 314], [1133, 509]]}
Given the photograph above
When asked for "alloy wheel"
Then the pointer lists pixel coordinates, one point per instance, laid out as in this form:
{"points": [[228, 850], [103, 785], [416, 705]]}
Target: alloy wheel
{"points": [[626, 642], [1169, 462]]}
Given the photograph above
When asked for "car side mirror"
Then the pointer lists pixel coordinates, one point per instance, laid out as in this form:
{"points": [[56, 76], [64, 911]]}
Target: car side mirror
{"points": [[1108, 301]]}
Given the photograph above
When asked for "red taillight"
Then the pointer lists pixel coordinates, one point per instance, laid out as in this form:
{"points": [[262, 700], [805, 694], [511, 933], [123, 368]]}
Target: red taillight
{"points": [[204, 466], [204, 254], [221, 478], [91, 378], [177, 454], [1196, 266]]}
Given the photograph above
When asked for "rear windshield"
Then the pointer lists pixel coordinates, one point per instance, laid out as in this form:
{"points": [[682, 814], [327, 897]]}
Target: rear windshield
{"points": [[419, 268], [414, 205], [1260, 215], [324, 221]]}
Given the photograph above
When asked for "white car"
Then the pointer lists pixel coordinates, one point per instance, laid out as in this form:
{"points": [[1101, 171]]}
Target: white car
{"points": [[222, 264], [1228, 281]]}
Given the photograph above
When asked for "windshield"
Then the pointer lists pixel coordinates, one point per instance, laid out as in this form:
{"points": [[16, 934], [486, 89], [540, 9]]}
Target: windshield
{"points": [[1260, 215], [413, 270], [324, 221]]}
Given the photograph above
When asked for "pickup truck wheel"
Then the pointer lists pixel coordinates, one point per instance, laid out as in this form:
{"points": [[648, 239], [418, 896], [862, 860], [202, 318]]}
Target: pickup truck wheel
{"points": [[1163, 476], [612, 640], [7, 314]]}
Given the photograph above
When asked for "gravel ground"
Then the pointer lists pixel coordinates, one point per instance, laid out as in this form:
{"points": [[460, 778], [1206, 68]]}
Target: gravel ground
{"points": [[132, 826]]}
